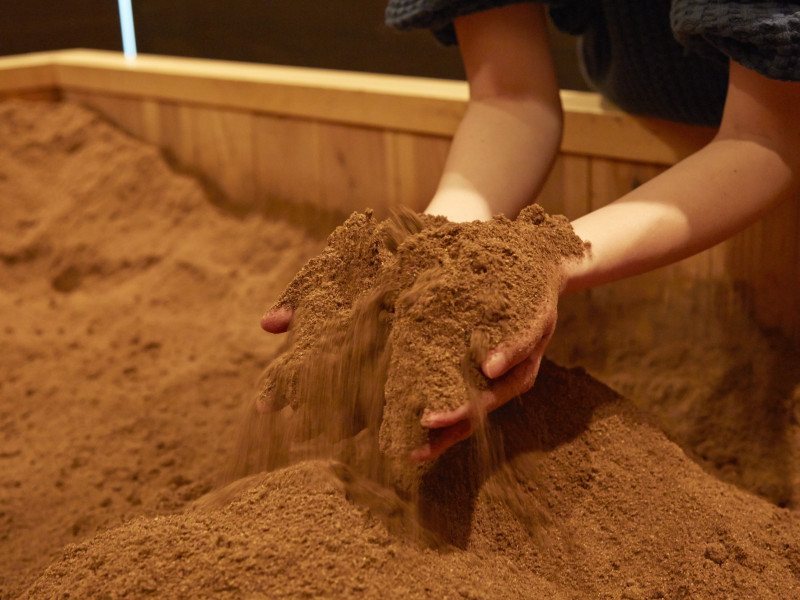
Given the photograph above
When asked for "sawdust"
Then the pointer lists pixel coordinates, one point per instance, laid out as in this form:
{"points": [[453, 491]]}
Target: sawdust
{"points": [[130, 305]]}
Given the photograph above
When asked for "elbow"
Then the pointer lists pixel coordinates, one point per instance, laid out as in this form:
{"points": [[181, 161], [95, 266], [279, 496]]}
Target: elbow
{"points": [[541, 114]]}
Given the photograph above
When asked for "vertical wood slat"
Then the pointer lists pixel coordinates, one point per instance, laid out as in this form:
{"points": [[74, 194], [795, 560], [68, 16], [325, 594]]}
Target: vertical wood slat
{"points": [[414, 166], [287, 160], [566, 191], [353, 168], [766, 258], [222, 147]]}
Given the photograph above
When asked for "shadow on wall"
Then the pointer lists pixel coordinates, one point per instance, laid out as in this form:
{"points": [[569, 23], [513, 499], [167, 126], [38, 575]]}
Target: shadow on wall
{"points": [[336, 34]]}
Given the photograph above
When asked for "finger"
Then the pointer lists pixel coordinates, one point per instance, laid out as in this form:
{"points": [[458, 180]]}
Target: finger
{"points": [[451, 427], [509, 354], [442, 439], [439, 420], [277, 320], [514, 383]]}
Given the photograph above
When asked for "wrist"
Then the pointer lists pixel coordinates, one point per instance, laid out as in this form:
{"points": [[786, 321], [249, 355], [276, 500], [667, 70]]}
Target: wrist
{"points": [[576, 272], [460, 206]]}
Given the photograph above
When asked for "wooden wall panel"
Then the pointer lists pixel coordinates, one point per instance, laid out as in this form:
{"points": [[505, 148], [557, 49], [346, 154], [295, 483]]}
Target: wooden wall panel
{"points": [[352, 163], [175, 132], [765, 259], [612, 179], [126, 112], [286, 160], [222, 149], [566, 191], [414, 166]]}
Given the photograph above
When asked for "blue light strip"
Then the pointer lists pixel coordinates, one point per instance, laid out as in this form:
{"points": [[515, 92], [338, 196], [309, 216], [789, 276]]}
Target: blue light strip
{"points": [[128, 35]]}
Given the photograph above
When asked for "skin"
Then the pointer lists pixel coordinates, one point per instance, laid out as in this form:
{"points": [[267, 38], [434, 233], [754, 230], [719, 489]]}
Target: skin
{"points": [[507, 142]]}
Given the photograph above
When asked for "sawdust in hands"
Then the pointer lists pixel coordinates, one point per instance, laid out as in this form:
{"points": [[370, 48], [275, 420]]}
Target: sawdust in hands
{"points": [[393, 320]]}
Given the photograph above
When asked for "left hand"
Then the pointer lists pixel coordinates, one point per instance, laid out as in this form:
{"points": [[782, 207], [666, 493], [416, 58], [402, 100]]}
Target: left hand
{"points": [[511, 368]]}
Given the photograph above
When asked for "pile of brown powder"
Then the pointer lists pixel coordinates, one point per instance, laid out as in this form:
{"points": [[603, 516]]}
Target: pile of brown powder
{"points": [[394, 319], [589, 502], [129, 308], [132, 344]]}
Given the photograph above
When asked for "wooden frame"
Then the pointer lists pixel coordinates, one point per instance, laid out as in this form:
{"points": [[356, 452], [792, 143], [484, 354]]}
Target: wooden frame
{"points": [[337, 141]]}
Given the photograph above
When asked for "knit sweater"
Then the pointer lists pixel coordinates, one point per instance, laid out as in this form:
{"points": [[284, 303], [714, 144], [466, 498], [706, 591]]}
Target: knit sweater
{"points": [[654, 57]]}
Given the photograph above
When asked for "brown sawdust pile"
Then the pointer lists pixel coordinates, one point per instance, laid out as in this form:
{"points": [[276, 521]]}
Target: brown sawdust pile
{"points": [[130, 305], [393, 320]]}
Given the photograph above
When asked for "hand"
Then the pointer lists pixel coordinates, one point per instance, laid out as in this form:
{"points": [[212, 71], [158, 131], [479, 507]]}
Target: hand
{"points": [[277, 319], [511, 368]]}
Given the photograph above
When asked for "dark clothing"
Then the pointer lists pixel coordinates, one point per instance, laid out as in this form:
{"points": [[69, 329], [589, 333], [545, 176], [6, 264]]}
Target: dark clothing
{"points": [[665, 58]]}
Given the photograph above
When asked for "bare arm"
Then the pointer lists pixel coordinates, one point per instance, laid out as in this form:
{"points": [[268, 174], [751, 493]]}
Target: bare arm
{"points": [[509, 136], [752, 164]]}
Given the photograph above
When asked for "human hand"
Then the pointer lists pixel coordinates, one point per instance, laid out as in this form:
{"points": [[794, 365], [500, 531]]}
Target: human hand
{"points": [[511, 368], [316, 304], [416, 328]]}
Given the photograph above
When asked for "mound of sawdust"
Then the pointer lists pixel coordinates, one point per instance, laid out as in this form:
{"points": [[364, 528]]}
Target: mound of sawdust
{"points": [[725, 390], [590, 501], [130, 339], [129, 309]]}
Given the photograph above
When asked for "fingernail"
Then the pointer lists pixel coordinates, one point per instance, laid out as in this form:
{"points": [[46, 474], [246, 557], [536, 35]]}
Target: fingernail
{"points": [[494, 365]]}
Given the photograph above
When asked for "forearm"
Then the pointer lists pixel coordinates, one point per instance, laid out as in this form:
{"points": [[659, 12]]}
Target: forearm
{"points": [[511, 131], [752, 165], [499, 158], [692, 206]]}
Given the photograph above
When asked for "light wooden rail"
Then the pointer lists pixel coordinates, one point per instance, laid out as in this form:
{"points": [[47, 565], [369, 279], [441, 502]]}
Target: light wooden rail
{"points": [[339, 141]]}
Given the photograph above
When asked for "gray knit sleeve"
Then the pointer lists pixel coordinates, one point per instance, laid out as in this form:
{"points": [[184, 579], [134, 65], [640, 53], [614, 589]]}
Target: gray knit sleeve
{"points": [[762, 36], [437, 15]]}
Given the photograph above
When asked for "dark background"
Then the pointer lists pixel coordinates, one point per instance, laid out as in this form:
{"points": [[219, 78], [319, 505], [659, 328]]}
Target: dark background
{"points": [[333, 34]]}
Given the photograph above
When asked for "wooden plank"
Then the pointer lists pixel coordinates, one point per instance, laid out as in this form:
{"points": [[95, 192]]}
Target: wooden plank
{"points": [[384, 101], [353, 168], [566, 191], [414, 167], [612, 179], [151, 124], [222, 148], [124, 111], [176, 132], [765, 259], [287, 161], [26, 73], [593, 127], [401, 103]]}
